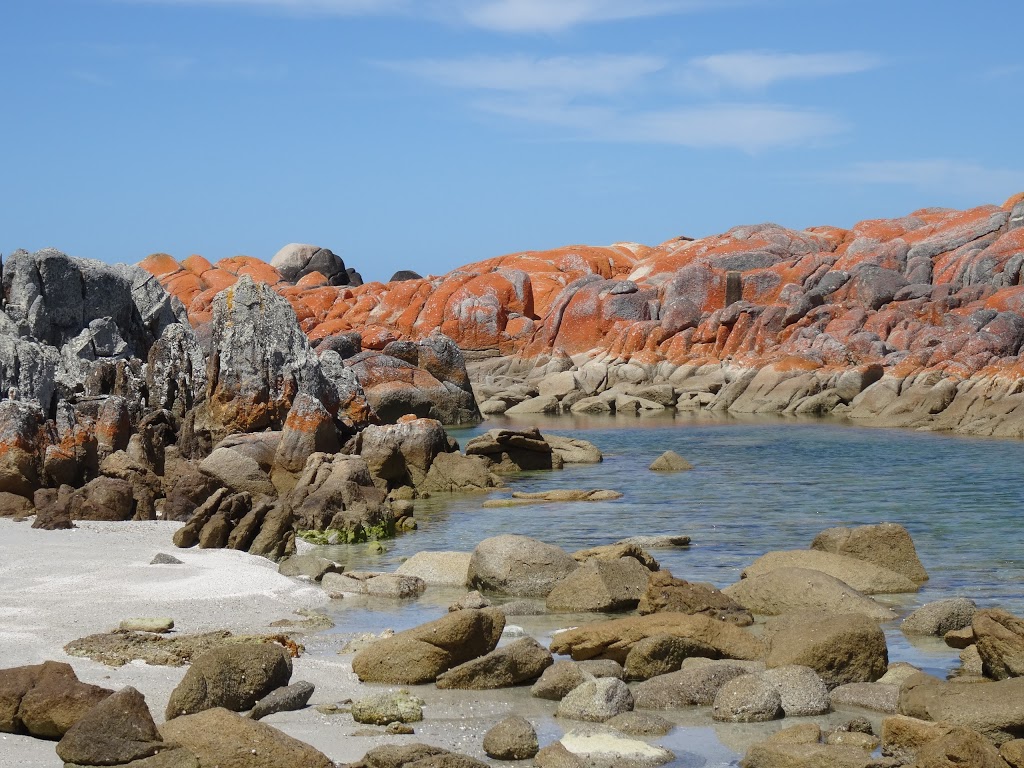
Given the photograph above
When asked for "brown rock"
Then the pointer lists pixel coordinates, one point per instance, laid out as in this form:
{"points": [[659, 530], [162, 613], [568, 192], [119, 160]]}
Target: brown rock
{"points": [[117, 730], [786, 590], [518, 565], [614, 639], [600, 585], [514, 738], [844, 648], [864, 576], [1000, 640], [887, 544], [959, 747], [993, 709], [420, 654], [667, 593], [233, 676], [226, 740], [55, 701], [617, 551], [520, 661]]}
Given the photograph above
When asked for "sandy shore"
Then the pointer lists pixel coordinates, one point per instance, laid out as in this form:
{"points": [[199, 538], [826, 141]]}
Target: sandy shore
{"points": [[58, 586]]}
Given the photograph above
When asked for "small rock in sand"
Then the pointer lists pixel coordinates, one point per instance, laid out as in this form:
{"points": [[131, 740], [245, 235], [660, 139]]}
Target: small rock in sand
{"points": [[148, 624]]}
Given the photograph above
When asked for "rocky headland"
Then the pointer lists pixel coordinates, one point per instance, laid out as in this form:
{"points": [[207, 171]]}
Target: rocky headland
{"points": [[914, 321], [232, 410]]}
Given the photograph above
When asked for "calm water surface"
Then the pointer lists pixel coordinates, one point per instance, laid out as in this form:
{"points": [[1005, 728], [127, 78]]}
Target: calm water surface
{"points": [[756, 486]]}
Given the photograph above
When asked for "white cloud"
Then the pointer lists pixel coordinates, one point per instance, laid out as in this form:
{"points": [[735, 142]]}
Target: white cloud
{"points": [[557, 15], [338, 7], [747, 127], [755, 69], [570, 75], [495, 15], [937, 173]]}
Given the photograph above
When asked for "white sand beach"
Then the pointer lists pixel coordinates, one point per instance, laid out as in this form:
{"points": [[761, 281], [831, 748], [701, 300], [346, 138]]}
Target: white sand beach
{"points": [[59, 586]]}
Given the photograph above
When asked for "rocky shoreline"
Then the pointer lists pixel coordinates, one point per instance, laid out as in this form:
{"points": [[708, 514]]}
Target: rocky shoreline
{"points": [[242, 407], [789, 665]]}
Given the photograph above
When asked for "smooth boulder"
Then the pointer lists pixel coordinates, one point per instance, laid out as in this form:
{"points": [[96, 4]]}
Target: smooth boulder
{"points": [[233, 676], [420, 654], [841, 648], [520, 661], [223, 739], [518, 565]]}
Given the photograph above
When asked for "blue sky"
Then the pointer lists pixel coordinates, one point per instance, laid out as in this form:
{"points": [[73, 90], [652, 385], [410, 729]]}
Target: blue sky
{"points": [[431, 133]]}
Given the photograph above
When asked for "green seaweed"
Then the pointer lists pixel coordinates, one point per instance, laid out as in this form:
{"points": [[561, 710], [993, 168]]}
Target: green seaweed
{"points": [[358, 534]]}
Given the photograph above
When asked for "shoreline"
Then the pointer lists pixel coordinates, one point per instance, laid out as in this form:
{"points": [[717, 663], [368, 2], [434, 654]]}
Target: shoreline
{"points": [[57, 589]]}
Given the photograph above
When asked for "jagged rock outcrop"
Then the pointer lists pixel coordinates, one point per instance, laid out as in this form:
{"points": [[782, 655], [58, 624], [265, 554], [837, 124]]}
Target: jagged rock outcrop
{"points": [[912, 321]]}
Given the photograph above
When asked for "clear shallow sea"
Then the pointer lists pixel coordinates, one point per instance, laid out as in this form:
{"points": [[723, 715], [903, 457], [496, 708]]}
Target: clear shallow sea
{"points": [[756, 486]]}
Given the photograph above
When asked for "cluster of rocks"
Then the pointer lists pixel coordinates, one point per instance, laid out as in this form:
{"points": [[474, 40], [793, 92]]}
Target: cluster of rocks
{"points": [[819, 648], [97, 726], [241, 427]]}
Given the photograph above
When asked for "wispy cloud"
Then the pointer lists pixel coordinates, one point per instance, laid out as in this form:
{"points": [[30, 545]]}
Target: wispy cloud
{"points": [[618, 98], [557, 15], [515, 16], [748, 127], [339, 7], [570, 75], [759, 69], [936, 173]]}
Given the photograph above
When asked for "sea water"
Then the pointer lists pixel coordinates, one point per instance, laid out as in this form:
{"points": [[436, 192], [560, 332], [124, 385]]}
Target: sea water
{"points": [[756, 486]]}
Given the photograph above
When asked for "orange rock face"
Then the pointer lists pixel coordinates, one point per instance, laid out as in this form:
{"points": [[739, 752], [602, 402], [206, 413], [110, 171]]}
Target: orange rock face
{"points": [[935, 290]]}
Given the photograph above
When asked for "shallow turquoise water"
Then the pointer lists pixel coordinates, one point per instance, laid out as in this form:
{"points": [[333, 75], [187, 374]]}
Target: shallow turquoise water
{"points": [[756, 486]]}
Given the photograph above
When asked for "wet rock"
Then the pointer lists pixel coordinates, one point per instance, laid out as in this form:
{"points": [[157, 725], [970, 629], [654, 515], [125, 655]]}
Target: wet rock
{"points": [[614, 639], [286, 699], [518, 662], [694, 684], [420, 654], [801, 691], [642, 724], [515, 451], [559, 679], [514, 738], [887, 545], [616, 552], [518, 565], [786, 590], [844, 648], [657, 655], [747, 699], [959, 746], [596, 701], [600, 585], [438, 568], [391, 585], [455, 473], [666, 593], [574, 450], [670, 461], [940, 617], [877, 697], [234, 677], [862, 575]]}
